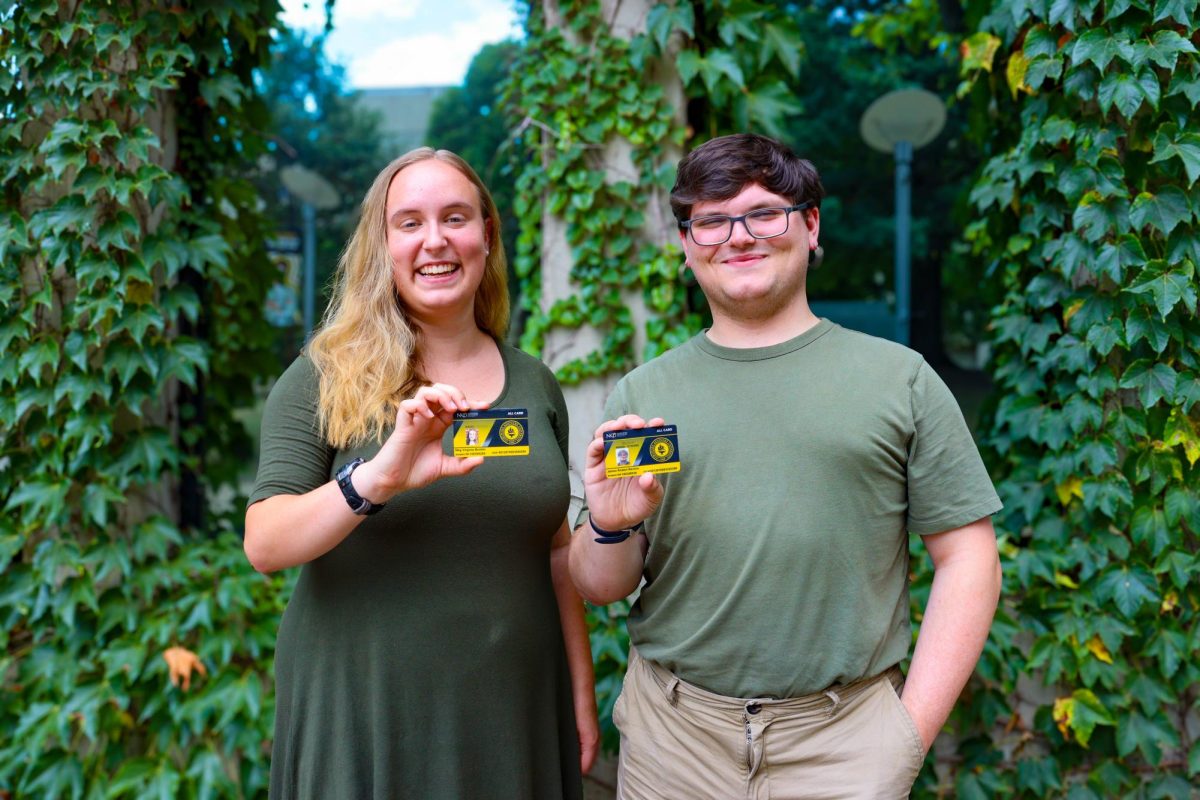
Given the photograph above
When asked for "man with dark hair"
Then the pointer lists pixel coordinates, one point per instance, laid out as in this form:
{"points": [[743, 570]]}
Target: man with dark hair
{"points": [[766, 638]]}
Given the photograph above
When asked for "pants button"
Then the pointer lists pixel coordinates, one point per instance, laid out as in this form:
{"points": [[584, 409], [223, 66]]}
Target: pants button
{"points": [[753, 708]]}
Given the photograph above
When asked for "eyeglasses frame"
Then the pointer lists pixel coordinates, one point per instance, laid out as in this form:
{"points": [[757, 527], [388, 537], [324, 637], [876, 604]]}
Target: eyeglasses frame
{"points": [[686, 225]]}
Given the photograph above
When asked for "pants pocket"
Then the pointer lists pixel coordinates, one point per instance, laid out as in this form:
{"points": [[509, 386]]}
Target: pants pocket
{"points": [[905, 721]]}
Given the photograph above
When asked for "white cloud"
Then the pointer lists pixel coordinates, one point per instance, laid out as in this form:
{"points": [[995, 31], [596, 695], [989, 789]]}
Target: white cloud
{"points": [[381, 10], [432, 58], [303, 14], [406, 42], [310, 14]]}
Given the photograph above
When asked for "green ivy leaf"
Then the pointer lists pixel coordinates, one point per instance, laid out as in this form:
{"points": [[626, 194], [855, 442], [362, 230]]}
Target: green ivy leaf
{"points": [[1097, 455], [1082, 414], [1165, 47], [119, 233], [1178, 10], [1149, 527], [665, 18], [1109, 494], [1103, 338], [1040, 41], [1096, 216], [785, 43], [1141, 324], [1124, 91], [42, 353], [1185, 147], [1162, 211], [1186, 82], [1153, 381], [1166, 287], [1087, 713], [719, 66], [97, 497], [1038, 775], [1081, 82], [1159, 467], [125, 360], [770, 106], [1146, 734], [1100, 47], [1187, 392], [1129, 588]]}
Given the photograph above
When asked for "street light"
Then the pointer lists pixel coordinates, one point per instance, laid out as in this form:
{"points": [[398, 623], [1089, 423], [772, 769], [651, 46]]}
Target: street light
{"points": [[898, 123], [313, 192]]}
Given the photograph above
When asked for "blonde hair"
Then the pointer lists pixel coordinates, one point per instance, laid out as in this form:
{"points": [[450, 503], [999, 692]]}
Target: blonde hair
{"points": [[367, 351]]}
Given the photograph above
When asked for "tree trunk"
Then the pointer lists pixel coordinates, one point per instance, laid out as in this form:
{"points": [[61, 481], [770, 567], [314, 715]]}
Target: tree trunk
{"points": [[585, 400]]}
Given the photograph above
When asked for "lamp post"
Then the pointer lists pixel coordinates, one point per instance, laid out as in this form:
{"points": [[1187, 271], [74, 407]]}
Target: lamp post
{"points": [[313, 192], [898, 123]]}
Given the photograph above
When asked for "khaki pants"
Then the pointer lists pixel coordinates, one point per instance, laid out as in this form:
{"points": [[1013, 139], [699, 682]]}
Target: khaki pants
{"points": [[680, 742]]}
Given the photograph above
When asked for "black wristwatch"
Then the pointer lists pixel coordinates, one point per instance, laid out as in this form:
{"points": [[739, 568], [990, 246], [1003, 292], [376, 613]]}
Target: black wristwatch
{"points": [[358, 504]]}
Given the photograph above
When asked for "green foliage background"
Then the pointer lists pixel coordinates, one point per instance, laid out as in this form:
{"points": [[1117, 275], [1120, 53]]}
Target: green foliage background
{"points": [[1087, 210], [131, 278], [130, 329]]}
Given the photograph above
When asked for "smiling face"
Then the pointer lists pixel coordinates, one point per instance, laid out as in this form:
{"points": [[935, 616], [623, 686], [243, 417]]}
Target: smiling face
{"points": [[438, 239], [750, 279]]}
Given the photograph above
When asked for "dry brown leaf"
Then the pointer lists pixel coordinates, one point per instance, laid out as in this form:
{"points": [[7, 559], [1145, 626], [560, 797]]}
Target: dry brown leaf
{"points": [[180, 664]]}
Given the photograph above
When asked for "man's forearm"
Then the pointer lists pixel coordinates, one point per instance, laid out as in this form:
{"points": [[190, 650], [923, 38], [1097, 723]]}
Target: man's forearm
{"points": [[606, 572], [958, 616]]}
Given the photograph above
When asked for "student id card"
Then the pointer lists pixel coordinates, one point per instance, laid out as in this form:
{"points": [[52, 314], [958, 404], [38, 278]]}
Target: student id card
{"points": [[642, 450], [493, 432]]}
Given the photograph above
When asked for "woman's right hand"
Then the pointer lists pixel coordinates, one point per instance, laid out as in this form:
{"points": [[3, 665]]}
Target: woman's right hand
{"points": [[412, 456]]}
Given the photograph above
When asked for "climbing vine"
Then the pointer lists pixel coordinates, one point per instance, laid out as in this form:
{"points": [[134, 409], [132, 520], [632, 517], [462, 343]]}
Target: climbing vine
{"points": [[579, 88], [133, 272], [1088, 214]]}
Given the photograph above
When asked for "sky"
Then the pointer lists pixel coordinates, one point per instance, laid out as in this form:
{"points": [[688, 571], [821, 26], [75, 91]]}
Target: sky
{"points": [[406, 42]]}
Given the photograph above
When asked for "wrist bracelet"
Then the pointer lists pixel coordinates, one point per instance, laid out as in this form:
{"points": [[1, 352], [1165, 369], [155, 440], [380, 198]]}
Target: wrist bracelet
{"points": [[612, 537]]}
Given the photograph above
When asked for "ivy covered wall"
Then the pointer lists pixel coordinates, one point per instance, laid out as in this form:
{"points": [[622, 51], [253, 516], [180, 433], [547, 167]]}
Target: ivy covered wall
{"points": [[1087, 216], [132, 274]]}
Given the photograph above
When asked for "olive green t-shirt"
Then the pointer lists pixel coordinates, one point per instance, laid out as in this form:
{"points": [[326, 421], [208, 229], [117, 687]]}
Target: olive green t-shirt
{"points": [[778, 560]]}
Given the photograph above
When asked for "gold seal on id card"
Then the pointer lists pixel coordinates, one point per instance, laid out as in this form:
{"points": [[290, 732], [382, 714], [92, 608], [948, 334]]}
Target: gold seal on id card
{"points": [[494, 432], [642, 450]]}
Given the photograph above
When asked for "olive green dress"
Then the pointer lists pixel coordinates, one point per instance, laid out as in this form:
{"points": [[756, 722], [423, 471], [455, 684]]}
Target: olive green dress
{"points": [[423, 656]]}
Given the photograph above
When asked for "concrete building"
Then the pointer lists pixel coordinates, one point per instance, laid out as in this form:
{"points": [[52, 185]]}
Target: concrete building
{"points": [[405, 111]]}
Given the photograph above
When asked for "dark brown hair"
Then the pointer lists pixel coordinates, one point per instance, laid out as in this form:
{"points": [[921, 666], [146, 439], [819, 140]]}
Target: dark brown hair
{"points": [[722, 167]]}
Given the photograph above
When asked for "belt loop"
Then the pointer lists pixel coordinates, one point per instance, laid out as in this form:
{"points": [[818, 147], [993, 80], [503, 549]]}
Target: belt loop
{"points": [[834, 700], [669, 689]]}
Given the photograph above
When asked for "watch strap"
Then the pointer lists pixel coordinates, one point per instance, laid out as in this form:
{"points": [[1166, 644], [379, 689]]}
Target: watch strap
{"points": [[613, 537], [358, 504]]}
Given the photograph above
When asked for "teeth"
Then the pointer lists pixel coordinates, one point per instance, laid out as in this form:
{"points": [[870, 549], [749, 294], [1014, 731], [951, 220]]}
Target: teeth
{"points": [[436, 269]]}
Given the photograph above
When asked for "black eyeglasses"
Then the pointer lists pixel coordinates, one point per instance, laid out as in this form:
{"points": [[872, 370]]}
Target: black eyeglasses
{"points": [[761, 223]]}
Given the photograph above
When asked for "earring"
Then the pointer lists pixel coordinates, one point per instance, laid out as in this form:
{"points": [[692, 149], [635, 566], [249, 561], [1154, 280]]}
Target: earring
{"points": [[683, 268], [815, 256]]}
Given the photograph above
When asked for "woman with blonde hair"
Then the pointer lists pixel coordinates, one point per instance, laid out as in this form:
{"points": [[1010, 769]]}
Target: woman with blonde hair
{"points": [[434, 646]]}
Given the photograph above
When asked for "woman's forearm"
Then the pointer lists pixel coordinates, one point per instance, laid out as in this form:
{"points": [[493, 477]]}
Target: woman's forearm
{"points": [[579, 651], [292, 529], [574, 627]]}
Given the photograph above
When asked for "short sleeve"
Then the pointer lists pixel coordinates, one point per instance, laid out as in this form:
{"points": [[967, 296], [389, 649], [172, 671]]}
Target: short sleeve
{"points": [[948, 485], [293, 458]]}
